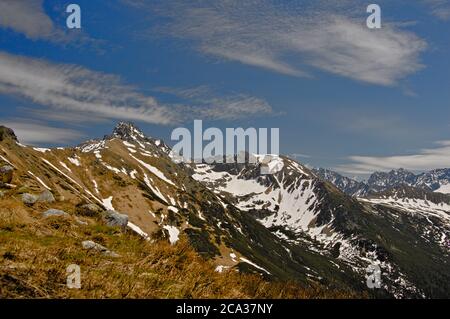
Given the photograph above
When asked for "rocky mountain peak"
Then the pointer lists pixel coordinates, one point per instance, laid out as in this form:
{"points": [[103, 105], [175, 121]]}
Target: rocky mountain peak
{"points": [[128, 131], [6, 133]]}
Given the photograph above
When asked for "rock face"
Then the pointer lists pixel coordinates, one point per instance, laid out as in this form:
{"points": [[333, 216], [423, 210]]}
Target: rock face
{"points": [[54, 212], [6, 174], [89, 210], [113, 218], [90, 245]]}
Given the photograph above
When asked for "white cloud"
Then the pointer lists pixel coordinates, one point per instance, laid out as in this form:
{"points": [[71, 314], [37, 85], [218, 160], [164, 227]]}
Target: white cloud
{"points": [[73, 88], [295, 40], [41, 133], [27, 17], [67, 90], [425, 159]]}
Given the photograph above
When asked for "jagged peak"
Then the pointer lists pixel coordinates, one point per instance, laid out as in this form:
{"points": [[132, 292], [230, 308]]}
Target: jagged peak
{"points": [[401, 171], [7, 133], [127, 131]]}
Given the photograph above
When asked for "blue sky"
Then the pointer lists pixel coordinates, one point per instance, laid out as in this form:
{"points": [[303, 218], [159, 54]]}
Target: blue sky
{"points": [[344, 96]]}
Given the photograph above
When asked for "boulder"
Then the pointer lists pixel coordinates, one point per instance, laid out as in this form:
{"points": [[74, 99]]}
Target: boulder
{"points": [[90, 245], [46, 197], [29, 199], [89, 210], [6, 174], [113, 218], [54, 212]]}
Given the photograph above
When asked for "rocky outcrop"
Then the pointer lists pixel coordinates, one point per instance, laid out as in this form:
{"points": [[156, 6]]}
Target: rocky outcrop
{"points": [[113, 219], [92, 246], [6, 132]]}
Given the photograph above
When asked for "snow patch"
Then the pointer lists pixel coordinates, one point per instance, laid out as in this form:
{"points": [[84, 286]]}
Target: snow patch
{"points": [[133, 174], [174, 233], [138, 230], [154, 171], [65, 166], [74, 160], [107, 202], [40, 181], [444, 189], [172, 208], [245, 260], [95, 186], [42, 150]]}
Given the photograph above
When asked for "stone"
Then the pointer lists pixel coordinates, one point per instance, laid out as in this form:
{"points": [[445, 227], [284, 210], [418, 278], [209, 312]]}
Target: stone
{"points": [[6, 174], [113, 218], [90, 245], [29, 199], [46, 197], [54, 212]]}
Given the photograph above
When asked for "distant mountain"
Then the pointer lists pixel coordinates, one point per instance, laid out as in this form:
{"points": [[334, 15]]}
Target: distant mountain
{"points": [[380, 181], [437, 180], [347, 185]]}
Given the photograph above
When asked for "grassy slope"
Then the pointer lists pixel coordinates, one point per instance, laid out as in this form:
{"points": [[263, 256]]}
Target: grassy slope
{"points": [[34, 254]]}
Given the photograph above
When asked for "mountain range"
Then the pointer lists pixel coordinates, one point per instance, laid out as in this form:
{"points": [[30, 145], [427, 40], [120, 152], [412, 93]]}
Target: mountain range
{"points": [[312, 227], [437, 180]]}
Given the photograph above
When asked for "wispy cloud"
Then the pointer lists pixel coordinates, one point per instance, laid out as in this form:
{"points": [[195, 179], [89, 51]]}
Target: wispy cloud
{"points": [[32, 132], [424, 159], [206, 104], [295, 39], [68, 90], [73, 88], [439, 8]]}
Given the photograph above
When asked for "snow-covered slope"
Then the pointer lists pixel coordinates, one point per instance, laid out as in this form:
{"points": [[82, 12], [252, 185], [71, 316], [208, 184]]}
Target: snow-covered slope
{"points": [[298, 206], [288, 198]]}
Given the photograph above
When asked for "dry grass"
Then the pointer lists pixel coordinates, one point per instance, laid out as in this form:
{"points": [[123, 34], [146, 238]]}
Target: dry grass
{"points": [[35, 252]]}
